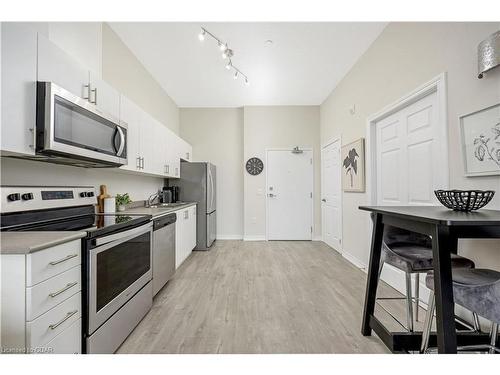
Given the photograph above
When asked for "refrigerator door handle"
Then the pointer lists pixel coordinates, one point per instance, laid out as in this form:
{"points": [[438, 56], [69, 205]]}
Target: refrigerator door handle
{"points": [[211, 189]]}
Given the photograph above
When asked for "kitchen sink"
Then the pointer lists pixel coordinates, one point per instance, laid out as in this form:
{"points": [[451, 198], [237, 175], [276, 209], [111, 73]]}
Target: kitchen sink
{"points": [[167, 205]]}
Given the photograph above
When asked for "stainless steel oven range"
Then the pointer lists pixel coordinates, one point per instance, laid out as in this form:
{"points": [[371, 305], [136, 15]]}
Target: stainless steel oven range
{"points": [[116, 253]]}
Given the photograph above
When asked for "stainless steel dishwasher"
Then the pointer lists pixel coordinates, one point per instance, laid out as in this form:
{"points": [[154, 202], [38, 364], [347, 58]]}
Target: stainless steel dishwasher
{"points": [[163, 250]]}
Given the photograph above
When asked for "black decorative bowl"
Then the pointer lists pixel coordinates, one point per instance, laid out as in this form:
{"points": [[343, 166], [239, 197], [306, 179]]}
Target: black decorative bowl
{"points": [[464, 200]]}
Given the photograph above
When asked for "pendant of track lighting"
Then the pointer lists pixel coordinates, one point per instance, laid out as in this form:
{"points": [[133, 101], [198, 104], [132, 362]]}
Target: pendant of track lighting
{"points": [[229, 65], [201, 35], [227, 54], [235, 75], [246, 81], [223, 46]]}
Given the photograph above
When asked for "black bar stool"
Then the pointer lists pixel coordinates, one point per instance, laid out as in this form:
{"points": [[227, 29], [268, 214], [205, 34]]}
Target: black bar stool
{"points": [[411, 253], [477, 290]]}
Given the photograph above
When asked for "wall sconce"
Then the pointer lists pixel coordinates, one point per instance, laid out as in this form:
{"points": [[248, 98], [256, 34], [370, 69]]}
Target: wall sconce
{"points": [[488, 54]]}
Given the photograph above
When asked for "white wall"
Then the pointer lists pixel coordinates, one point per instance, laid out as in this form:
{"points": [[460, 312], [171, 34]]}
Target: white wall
{"points": [[24, 172], [277, 127], [216, 135], [122, 70], [405, 56]]}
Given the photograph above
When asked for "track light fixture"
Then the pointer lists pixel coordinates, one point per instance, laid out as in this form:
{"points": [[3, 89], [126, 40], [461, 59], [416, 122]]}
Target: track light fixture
{"points": [[227, 53]]}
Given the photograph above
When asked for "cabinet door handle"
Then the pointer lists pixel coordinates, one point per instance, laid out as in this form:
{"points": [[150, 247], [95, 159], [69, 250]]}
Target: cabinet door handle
{"points": [[176, 171], [68, 286], [68, 315], [87, 96], [138, 162], [186, 214], [187, 155], [53, 263], [95, 96]]}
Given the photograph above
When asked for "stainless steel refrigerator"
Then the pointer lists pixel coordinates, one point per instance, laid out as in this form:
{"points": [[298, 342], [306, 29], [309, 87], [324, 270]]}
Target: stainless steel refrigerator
{"points": [[197, 184]]}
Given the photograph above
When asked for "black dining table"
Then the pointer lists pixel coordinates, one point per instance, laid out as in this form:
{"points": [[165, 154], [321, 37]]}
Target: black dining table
{"points": [[446, 227]]}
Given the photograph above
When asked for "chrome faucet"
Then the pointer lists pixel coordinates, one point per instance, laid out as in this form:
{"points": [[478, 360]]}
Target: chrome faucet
{"points": [[152, 197]]}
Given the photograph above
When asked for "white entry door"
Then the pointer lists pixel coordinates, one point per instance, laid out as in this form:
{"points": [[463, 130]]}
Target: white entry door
{"points": [[331, 198], [411, 159], [289, 180]]}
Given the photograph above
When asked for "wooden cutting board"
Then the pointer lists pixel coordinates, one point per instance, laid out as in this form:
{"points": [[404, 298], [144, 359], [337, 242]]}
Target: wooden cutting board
{"points": [[100, 199]]}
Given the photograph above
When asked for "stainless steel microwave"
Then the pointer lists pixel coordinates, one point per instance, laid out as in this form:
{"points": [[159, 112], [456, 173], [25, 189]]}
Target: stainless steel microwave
{"points": [[70, 130]]}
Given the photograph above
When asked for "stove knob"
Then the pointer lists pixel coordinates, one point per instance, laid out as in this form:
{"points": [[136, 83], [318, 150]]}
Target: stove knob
{"points": [[27, 196], [13, 197], [90, 193], [83, 194]]}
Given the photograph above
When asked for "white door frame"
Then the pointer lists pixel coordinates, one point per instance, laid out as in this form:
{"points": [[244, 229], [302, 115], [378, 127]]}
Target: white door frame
{"points": [[265, 188], [436, 85], [327, 143]]}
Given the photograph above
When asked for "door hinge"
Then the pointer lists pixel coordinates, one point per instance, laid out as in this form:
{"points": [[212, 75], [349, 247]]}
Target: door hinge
{"points": [[311, 194], [311, 161], [311, 229]]}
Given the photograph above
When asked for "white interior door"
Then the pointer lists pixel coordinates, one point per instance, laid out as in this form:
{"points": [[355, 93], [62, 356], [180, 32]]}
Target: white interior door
{"points": [[410, 161], [331, 198], [289, 195]]}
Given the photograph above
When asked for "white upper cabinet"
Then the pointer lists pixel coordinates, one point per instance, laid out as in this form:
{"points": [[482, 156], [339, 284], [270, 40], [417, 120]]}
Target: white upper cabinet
{"points": [[81, 40], [130, 116], [55, 65], [105, 97], [152, 148], [18, 86], [172, 155], [185, 150]]}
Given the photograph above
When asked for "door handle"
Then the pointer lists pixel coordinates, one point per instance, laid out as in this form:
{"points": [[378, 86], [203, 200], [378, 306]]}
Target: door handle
{"points": [[323, 200], [271, 195]]}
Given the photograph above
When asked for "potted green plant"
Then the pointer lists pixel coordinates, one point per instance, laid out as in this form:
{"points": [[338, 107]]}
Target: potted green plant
{"points": [[122, 200]]}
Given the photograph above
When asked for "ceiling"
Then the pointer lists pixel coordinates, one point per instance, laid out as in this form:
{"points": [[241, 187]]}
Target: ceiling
{"points": [[301, 67]]}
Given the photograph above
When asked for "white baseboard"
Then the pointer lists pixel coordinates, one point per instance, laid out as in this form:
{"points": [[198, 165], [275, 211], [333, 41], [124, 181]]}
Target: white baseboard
{"points": [[353, 260], [254, 238], [317, 238], [229, 237]]}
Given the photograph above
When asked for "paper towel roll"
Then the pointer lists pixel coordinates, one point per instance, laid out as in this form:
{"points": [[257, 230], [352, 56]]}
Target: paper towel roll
{"points": [[109, 205]]}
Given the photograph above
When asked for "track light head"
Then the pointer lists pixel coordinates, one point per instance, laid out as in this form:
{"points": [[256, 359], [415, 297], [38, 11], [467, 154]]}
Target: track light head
{"points": [[222, 46], [227, 54], [201, 35], [246, 81], [235, 75], [229, 65]]}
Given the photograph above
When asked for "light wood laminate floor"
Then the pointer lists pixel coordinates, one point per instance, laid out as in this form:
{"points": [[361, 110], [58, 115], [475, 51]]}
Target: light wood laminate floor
{"points": [[260, 297]]}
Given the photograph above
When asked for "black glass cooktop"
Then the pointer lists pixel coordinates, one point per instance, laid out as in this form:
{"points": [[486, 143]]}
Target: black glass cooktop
{"points": [[71, 220]]}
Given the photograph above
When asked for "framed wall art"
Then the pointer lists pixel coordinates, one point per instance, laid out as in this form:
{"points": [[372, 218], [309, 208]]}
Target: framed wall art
{"points": [[353, 166], [480, 134]]}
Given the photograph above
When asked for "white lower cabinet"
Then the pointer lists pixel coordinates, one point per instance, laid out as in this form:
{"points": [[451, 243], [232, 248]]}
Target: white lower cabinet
{"points": [[185, 234], [41, 300]]}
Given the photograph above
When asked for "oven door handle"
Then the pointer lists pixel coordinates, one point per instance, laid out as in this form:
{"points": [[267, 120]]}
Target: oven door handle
{"points": [[124, 236]]}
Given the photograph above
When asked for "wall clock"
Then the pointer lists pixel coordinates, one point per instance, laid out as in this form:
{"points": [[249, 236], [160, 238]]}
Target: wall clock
{"points": [[254, 166]]}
